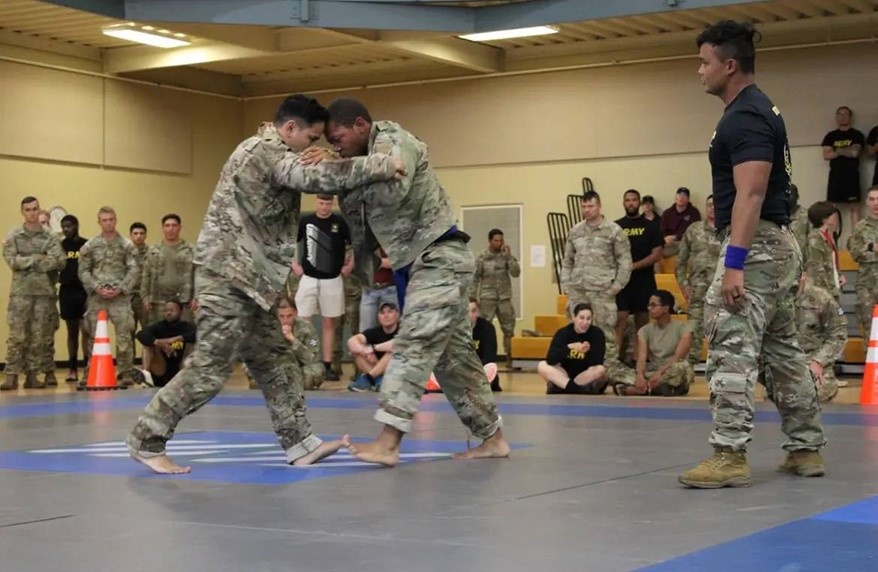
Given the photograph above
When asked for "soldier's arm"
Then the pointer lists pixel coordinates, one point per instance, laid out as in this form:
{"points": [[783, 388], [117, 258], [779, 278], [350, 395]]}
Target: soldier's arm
{"points": [[390, 191], [86, 267], [189, 287], [146, 277], [132, 269], [15, 260], [681, 351], [332, 176], [682, 270], [817, 261], [859, 246], [622, 251], [477, 277], [513, 266], [836, 332], [55, 258], [567, 262]]}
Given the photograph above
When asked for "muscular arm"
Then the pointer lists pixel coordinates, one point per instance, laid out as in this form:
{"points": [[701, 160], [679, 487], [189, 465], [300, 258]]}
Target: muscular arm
{"points": [[333, 176], [751, 184], [653, 258]]}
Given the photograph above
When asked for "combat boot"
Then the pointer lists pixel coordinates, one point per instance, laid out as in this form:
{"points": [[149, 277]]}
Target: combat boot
{"points": [[31, 381], [725, 469], [11, 382], [50, 380], [804, 463]]}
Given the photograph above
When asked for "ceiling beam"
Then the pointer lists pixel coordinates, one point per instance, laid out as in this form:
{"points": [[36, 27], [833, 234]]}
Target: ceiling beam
{"points": [[140, 58], [111, 8], [459, 53]]}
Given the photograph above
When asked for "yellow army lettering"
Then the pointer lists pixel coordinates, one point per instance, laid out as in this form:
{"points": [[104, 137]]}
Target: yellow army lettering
{"points": [[574, 354], [177, 346], [73, 254], [476, 343], [633, 231]]}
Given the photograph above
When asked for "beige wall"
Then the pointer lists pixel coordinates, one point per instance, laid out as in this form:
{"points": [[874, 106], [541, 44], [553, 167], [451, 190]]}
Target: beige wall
{"points": [[48, 148]]}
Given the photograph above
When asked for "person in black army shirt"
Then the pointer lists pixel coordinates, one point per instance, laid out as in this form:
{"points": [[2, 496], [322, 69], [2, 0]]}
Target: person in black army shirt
{"points": [[842, 148], [750, 308], [71, 294]]}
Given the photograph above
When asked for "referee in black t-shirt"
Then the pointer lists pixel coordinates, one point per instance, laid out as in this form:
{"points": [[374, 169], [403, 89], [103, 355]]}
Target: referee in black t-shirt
{"points": [[750, 310]]}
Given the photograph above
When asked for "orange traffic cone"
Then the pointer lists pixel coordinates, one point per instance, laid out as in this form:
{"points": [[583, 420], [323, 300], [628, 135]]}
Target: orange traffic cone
{"points": [[869, 391], [101, 371], [433, 385]]}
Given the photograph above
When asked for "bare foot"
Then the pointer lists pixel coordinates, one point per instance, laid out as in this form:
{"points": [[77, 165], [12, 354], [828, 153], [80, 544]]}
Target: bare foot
{"points": [[375, 452], [162, 464], [325, 449], [494, 447]]}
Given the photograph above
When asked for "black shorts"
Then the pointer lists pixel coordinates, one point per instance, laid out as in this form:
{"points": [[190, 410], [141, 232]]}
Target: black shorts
{"points": [[844, 188], [71, 302], [593, 388], [634, 297]]}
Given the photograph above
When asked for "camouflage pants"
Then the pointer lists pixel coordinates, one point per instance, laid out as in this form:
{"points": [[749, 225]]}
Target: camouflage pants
{"points": [[435, 335], [32, 322], [696, 320], [119, 313], [225, 313], [137, 311], [351, 319], [676, 379], [764, 330], [505, 315], [867, 297], [312, 375], [604, 311]]}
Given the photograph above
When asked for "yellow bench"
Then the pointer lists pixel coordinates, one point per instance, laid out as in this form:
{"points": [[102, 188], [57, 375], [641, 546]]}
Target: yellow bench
{"points": [[846, 262], [530, 348], [548, 325], [854, 351]]}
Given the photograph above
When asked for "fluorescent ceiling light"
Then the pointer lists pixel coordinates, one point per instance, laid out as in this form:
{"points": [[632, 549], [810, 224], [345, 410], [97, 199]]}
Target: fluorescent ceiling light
{"points": [[142, 35], [508, 34]]}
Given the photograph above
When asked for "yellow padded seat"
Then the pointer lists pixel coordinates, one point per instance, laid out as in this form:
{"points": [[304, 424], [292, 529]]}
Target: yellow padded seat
{"points": [[846, 261], [669, 282], [548, 325], [561, 304], [854, 351], [530, 348], [668, 264]]}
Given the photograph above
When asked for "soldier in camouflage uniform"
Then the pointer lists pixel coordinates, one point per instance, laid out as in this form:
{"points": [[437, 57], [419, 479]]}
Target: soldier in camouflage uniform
{"points": [[822, 252], [353, 294], [492, 286], [596, 266], [413, 221], [242, 260], [750, 313], [35, 257], [304, 341], [168, 273], [696, 265], [108, 271], [137, 234], [863, 244], [800, 226]]}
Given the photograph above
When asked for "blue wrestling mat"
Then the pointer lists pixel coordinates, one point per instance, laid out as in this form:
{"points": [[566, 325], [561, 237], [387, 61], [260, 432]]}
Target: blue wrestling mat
{"points": [[218, 456]]}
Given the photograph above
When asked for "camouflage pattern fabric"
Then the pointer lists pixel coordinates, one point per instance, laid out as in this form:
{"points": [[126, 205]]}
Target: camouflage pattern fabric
{"points": [[137, 309], [822, 333], [864, 234], [800, 226], [306, 350], [820, 264], [696, 264], [353, 293], [168, 273], [492, 286]]}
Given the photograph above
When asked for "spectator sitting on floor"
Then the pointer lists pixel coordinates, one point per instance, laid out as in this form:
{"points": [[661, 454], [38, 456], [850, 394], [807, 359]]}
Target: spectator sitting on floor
{"points": [[485, 340], [165, 345], [575, 361], [373, 349], [304, 341], [662, 351]]}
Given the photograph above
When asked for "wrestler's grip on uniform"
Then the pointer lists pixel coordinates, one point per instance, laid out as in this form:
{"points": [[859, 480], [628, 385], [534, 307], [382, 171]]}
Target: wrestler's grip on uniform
{"points": [[314, 155]]}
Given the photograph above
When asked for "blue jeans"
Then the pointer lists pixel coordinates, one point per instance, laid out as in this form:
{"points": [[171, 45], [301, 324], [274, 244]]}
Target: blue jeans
{"points": [[371, 302]]}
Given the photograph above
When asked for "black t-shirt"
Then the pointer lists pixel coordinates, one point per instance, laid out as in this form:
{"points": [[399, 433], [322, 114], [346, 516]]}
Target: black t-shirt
{"points": [[324, 241], [377, 335], [751, 129], [485, 340], [571, 361], [844, 168], [643, 235], [872, 139], [69, 275], [163, 330]]}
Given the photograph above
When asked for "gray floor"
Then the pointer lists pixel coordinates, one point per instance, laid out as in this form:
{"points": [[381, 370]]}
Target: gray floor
{"points": [[594, 489]]}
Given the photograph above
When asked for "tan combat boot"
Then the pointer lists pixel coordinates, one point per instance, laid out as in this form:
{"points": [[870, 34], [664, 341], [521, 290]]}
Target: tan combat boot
{"points": [[11, 382], [50, 380], [804, 463], [31, 381], [725, 469]]}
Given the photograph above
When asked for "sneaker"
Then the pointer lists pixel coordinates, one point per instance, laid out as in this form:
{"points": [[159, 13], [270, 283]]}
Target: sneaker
{"points": [[330, 376], [376, 387], [142, 377], [726, 468], [360, 384], [803, 463]]}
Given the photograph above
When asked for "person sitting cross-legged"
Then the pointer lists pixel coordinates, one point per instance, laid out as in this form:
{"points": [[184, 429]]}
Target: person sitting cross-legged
{"points": [[575, 361], [165, 345], [373, 349], [662, 350]]}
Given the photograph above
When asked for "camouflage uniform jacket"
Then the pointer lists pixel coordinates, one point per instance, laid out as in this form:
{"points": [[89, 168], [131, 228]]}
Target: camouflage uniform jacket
{"points": [[35, 257], [153, 266], [249, 232], [404, 217], [864, 233], [140, 253], [105, 262], [306, 346], [698, 255], [821, 324], [494, 273], [820, 264], [596, 259], [800, 226]]}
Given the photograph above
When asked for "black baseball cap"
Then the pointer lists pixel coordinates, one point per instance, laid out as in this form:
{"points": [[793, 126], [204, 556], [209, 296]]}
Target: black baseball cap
{"points": [[390, 305]]}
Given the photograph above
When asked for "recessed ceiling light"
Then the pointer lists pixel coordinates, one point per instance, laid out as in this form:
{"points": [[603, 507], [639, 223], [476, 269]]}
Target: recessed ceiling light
{"points": [[143, 36], [509, 34]]}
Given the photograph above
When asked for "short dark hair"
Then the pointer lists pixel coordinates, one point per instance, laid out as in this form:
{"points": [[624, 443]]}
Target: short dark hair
{"points": [[632, 192], [28, 199], [345, 111], [845, 107], [325, 196], [285, 301], [709, 197], [647, 200], [474, 300], [684, 191], [733, 40], [494, 232], [582, 306], [136, 225], [170, 216], [665, 298], [590, 196], [304, 110], [820, 211], [70, 218], [175, 301]]}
